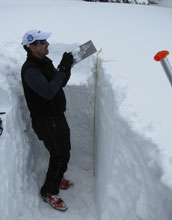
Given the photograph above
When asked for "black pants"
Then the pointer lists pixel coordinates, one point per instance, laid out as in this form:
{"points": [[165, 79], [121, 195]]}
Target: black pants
{"points": [[55, 133]]}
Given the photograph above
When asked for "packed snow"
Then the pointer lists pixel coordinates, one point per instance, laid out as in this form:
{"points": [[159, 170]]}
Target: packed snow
{"points": [[118, 107]]}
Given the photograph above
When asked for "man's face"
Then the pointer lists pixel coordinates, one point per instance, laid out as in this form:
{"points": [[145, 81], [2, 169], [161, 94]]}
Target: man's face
{"points": [[40, 48]]}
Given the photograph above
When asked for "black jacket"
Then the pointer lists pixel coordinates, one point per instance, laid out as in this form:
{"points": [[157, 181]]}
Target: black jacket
{"points": [[38, 105]]}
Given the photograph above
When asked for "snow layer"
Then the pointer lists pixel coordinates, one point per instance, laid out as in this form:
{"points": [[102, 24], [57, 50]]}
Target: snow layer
{"points": [[131, 144]]}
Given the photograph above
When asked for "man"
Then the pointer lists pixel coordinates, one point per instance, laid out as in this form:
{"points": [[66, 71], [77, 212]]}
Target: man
{"points": [[42, 84]]}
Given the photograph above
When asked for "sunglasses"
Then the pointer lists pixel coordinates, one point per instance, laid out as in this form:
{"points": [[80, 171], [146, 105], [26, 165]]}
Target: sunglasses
{"points": [[42, 42]]}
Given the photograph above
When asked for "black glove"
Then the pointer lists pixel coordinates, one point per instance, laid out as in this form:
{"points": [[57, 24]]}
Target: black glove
{"points": [[66, 62]]}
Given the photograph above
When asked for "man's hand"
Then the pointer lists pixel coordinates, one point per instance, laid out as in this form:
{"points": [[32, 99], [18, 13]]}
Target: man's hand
{"points": [[66, 62]]}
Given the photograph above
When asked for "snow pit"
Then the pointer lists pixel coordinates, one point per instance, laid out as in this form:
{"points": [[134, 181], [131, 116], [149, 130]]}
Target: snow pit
{"points": [[127, 182]]}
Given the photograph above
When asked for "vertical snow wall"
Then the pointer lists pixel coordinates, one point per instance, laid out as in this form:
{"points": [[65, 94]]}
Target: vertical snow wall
{"points": [[128, 185], [128, 182]]}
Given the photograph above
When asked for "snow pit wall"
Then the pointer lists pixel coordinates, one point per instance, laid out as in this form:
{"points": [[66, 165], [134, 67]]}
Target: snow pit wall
{"points": [[79, 114], [128, 182]]}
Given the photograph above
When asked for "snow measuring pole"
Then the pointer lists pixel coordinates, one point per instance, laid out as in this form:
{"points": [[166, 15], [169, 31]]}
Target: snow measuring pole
{"points": [[162, 57], [94, 117]]}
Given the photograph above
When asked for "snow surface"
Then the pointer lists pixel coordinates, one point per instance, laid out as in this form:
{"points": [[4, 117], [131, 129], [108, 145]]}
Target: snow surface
{"points": [[125, 139]]}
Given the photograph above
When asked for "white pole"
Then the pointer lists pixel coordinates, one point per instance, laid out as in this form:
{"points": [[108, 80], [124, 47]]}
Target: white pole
{"points": [[94, 116], [167, 68]]}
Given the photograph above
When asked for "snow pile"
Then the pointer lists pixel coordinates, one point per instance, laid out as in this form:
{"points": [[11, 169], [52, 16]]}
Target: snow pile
{"points": [[132, 149]]}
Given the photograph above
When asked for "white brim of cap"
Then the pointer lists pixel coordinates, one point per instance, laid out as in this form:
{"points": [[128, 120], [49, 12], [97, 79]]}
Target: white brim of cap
{"points": [[43, 36]]}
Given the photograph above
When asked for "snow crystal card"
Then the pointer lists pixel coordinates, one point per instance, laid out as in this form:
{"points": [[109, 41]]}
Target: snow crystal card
{"points": [[83, 51]]}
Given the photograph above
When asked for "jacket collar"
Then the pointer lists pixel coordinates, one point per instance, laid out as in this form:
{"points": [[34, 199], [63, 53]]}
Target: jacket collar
{"points": [[30, 56]]}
